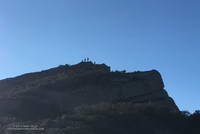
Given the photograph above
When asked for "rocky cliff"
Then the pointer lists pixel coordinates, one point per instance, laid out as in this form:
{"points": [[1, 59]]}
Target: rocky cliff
{"points": [[59, 90]]}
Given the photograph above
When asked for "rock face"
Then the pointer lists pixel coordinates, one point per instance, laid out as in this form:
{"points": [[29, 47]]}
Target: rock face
{"points": [[59, 90]]}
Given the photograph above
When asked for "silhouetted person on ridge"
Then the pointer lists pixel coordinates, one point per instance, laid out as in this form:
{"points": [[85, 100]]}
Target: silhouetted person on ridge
{"points": [[87, 59], [84, 60]]}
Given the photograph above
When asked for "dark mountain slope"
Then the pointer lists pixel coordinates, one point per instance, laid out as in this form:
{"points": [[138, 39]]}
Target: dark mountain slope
{"points": [[52, 92]]}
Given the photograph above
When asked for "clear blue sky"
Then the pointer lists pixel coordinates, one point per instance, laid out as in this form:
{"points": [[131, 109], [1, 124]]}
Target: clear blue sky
{"points": [[125, 34]]}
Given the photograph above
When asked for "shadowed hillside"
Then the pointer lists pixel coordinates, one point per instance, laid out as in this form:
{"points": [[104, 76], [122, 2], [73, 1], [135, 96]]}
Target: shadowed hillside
{"points": [[88, 95], [58, 90]]}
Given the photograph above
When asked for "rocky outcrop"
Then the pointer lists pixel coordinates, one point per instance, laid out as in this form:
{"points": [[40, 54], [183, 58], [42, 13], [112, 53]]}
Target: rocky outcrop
{"points": [[61, 89]]}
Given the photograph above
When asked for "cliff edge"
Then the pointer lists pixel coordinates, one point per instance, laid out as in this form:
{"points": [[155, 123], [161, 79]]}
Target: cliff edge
{"points": [[52, 92]]}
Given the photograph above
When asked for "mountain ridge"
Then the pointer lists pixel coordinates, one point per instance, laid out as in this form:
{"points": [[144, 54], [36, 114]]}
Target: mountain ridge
{"points": [[63, 88]]}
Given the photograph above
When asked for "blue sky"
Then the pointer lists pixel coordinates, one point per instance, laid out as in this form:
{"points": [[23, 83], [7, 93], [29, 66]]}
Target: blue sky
{"points": [[125, 34]]}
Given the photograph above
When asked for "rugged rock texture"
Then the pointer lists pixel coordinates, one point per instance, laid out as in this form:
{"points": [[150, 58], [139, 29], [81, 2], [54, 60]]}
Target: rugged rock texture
{"points": [[59, 90]]}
